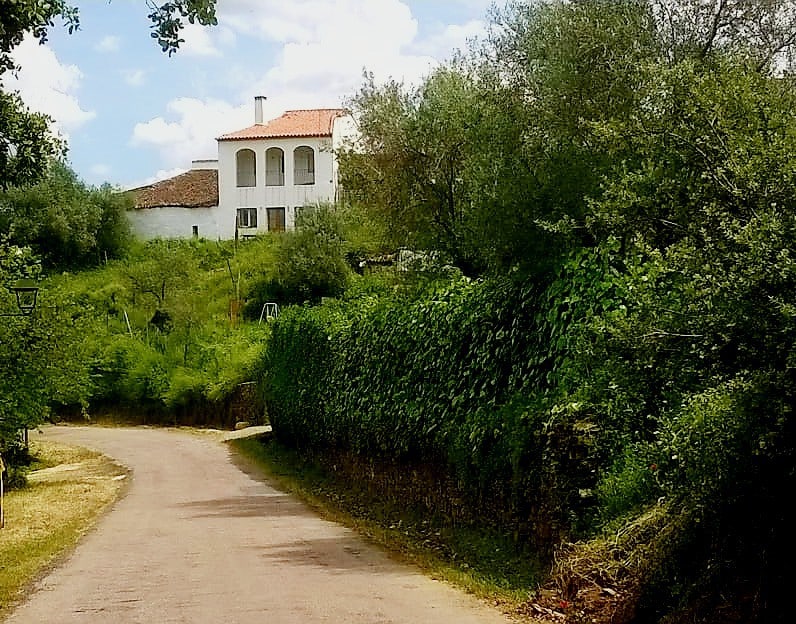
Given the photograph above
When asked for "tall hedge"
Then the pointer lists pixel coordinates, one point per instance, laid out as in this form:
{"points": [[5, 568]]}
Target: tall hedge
{"points": [[452, 379]]}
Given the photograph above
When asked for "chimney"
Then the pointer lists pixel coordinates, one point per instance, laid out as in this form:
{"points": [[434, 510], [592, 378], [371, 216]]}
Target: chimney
{"points": [[259, 100]]}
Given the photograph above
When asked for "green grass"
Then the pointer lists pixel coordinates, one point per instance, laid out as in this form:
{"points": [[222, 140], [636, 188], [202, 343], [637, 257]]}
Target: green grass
{"points": [[48, 517], [477, 559]]}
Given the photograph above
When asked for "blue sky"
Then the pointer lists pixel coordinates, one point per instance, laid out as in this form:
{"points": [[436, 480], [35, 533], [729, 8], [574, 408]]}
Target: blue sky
{"points": [[132, 115]]}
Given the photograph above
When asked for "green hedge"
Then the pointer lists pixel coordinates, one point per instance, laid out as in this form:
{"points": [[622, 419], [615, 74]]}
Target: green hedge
{"points": [[454, 379]]}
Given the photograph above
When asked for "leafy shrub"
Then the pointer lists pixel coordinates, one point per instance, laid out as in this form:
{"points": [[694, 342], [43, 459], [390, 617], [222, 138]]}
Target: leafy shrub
{"points": [[310, 263], [453, 379], [66, 222]]}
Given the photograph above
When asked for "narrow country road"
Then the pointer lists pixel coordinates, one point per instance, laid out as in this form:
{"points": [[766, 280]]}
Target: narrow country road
{"points": [[196, 540]]}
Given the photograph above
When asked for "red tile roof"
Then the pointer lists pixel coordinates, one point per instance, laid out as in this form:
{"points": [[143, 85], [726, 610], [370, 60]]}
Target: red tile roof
{"points": [[197, 188], [292, 124]]}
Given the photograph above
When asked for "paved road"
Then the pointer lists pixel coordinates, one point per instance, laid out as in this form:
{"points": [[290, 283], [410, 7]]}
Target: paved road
{"points": [[196, 540]]}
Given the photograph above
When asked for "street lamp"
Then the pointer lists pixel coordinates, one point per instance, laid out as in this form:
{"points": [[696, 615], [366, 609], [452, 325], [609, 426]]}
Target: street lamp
{"points": [[26, 291]]}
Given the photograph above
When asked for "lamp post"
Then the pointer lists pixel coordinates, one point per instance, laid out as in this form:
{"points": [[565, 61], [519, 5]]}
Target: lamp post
{"points": [[26, 292]]}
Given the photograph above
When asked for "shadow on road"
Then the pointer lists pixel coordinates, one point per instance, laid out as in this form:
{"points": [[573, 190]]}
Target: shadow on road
{"points": [[279, 505]]}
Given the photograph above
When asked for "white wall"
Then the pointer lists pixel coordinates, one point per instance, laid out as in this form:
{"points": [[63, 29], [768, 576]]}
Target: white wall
{"points": [[173, 222], [289, 196], [344, 135]]}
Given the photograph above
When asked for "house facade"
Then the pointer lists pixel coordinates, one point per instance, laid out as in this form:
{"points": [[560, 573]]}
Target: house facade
{"points": [[180, 207], [264, 174]]}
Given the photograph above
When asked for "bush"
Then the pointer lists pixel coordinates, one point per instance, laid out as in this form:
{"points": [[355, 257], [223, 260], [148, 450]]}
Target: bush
{"points": [[367, 377], [66, 222], [310, 263]]}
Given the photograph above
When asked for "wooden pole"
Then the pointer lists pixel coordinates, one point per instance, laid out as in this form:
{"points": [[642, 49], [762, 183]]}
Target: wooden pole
{"points": [[2, 513]]}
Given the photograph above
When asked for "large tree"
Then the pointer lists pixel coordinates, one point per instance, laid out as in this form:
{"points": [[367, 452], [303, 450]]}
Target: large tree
{"points": [[412, 159], [67, 223]]}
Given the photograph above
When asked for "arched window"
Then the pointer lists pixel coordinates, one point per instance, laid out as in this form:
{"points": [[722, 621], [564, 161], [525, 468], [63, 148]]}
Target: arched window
{"points": [[274, 167], [303, 165], [246, 168]]}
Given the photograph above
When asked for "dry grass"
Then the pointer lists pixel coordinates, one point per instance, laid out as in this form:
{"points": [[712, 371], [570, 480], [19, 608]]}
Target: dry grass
{"points": [[46, 519]]}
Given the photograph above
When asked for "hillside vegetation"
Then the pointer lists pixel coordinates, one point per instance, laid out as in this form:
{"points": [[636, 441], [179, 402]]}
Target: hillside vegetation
{"points": [[591, 348]]}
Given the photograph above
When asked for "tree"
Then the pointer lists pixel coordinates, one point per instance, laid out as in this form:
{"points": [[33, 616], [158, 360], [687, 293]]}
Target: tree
{"points": [[66, 222], [431, 162], [573, 64], [310, 262], [375, 170], [22, 401], [493, 157], [30, 16], [412, 159], [763, 31], [36, 17], [166, 268], [167, 20]]}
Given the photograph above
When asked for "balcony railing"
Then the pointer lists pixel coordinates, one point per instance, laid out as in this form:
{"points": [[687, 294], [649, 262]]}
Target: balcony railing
{"points": [[303, 176], [274, 178]]}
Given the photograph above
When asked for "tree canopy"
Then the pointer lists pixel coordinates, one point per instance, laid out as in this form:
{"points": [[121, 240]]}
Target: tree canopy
{"points": [[634, 160]]}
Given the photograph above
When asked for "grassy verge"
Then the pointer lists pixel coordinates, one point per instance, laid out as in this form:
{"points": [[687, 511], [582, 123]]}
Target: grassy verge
{"points": [[68, 490], [476, 559]]}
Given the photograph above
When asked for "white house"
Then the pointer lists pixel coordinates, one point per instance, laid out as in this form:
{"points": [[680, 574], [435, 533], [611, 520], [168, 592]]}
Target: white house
{"points": [[264, 174], [180, 207]]}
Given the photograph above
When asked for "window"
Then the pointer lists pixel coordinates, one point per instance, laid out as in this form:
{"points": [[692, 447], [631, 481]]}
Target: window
{"points": [[304, 166], [274, 167], [195, 230], [247, 217], [276, 219], [246, 168]]}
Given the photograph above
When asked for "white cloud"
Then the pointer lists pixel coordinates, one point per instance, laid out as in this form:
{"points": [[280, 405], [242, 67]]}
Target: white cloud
{"points": [[451, 38], [163, 174], [134, 77], [109, 43], [191, 131], [198, 41], [100, 170], [49, 87], [327, 44]]}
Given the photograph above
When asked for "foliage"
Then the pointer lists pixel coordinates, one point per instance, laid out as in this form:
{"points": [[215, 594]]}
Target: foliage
{"points": [[760, 32], [309, 264], [66, 222], [620, 176], [328, 384], [40, 362], [589, 71], [311, 261], [34, 17], [427, 161], [155, 331], [165, 266], [21, 17], [631, 165], [26, 143], [167, 20]]}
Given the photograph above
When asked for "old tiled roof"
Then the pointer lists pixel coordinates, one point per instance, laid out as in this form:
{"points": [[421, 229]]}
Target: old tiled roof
{"points": [[292, 124], [197, 188]]}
